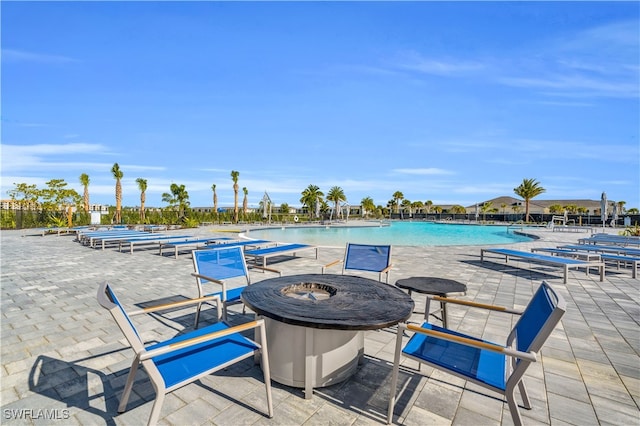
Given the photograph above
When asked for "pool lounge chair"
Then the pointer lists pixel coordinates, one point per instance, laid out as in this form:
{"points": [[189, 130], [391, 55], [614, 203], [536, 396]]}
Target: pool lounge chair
{"points": [[564, 262], [365, 257], [486, 364], [267, 252], [189, 245], [188, 357]]}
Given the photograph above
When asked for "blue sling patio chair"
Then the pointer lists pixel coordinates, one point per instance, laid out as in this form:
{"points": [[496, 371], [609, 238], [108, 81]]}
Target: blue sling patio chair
{"points": [[492, 366], [365, 257], [224, 267], [188, 357]]}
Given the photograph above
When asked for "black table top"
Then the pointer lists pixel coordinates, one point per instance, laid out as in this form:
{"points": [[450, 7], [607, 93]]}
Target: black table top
{"points": [[356, 303], [432, 285]]}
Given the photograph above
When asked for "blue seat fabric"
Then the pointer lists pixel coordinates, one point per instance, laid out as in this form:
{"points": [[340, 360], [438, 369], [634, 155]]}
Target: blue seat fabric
{"points": [[480, 364], [186, 363]]}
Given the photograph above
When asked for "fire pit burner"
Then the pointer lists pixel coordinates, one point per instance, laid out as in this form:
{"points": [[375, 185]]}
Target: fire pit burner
{"points": [[309, 291]]}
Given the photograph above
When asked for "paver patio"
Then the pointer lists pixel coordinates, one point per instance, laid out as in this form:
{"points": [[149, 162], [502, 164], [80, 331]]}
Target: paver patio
{"points": [[63, 356]]}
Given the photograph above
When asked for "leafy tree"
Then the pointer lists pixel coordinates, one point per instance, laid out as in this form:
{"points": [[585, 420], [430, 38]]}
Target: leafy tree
{"points": [[397, 197], [58, 198], [117, 175], [621, 206], [336, 195], [24, 195], [234, 177], [503, 206], [84, 181], [417, 206], [528, 189], [406, 205], [179, 197], [368, 206], [142, 186], [633, 210], [310, 197]]}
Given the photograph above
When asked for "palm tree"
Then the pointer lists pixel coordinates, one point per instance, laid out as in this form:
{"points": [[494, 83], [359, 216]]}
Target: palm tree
{"points": [[484, 208], [528, 189], [84, 181], [310, 197], [117, 175], [245, 202], [368, 205], [142, 186], [215, 199], [428, 205], [234, 177], [177, 197], [621, 206], [397, 197], [335, 195]]}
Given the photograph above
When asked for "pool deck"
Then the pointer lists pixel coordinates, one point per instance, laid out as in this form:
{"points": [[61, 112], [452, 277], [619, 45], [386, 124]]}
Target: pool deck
{"points": [[61, 352]]}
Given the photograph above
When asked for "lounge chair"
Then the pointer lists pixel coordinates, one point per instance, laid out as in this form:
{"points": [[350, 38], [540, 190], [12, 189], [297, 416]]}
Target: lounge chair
{"points": [[487, 364], [186, 358], [267, 252], [218, 266], [564, 262], [190, 244], [365, 257]]}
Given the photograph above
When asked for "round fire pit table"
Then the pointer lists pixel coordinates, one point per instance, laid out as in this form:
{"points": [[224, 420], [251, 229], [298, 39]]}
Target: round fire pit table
{"points": [[435, 286], [316, 322]]}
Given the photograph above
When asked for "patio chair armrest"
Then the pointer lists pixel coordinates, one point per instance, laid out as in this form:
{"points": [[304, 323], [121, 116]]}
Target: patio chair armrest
{"points": [[265, 269], [172, 305], [387, 269], [476, 305], [328, 265], [144, 355], [206, 278], [528, 356]]}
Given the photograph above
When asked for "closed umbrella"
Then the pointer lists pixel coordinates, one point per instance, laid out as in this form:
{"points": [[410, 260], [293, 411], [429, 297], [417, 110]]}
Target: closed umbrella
{"points": [[477, 212], [603, 208], [614, 214]]}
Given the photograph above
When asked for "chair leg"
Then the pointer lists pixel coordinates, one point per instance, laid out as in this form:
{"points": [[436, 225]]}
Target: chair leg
{"points": [[394, 376], [157, 407], [265, 369], [513, 407], [197, 315], [128, 386], [526, 403]]}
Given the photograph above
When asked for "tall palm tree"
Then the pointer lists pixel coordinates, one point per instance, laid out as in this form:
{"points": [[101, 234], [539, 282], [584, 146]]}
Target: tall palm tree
{"points": [[368, 206], [245, 202], [142, 186], [234, 177], [84, 181], [397, 197], [621, 206], [117, 175], [336, 195], [310, 197], [215, 199], [528, 189]]}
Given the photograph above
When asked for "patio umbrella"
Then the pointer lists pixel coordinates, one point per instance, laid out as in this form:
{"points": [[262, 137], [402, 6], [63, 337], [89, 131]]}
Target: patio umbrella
{"points": [[477, 212], [614, 214], [603, 208]]}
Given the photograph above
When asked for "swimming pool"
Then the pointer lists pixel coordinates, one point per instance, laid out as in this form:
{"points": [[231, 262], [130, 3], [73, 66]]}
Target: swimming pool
{"points": [[398, 233]]}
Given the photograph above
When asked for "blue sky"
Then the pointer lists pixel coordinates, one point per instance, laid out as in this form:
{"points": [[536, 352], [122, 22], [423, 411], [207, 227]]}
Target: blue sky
{"points": [[453, 102]]}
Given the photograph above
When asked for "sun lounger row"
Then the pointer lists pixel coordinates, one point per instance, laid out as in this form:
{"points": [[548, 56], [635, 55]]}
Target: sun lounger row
{"points": [[265, 253], [618, 254], [563, 262], [621, 240]]}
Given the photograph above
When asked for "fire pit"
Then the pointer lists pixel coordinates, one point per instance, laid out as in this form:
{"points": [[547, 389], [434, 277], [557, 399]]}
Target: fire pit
{"points": [[315, 323]]}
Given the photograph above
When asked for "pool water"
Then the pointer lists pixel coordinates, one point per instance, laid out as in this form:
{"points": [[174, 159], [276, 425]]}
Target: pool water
{"points": [[398, 233]]}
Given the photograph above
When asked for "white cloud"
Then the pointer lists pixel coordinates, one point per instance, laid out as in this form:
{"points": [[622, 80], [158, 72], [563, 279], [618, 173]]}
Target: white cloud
{"points": [[423, 171], [12, 55]]}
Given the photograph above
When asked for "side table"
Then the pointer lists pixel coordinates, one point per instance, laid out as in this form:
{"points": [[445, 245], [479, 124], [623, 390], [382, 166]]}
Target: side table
{"points": [[434, 286]]}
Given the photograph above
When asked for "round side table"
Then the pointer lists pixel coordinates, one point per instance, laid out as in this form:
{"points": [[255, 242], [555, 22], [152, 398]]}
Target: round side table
{"points": [[433, 286]]}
